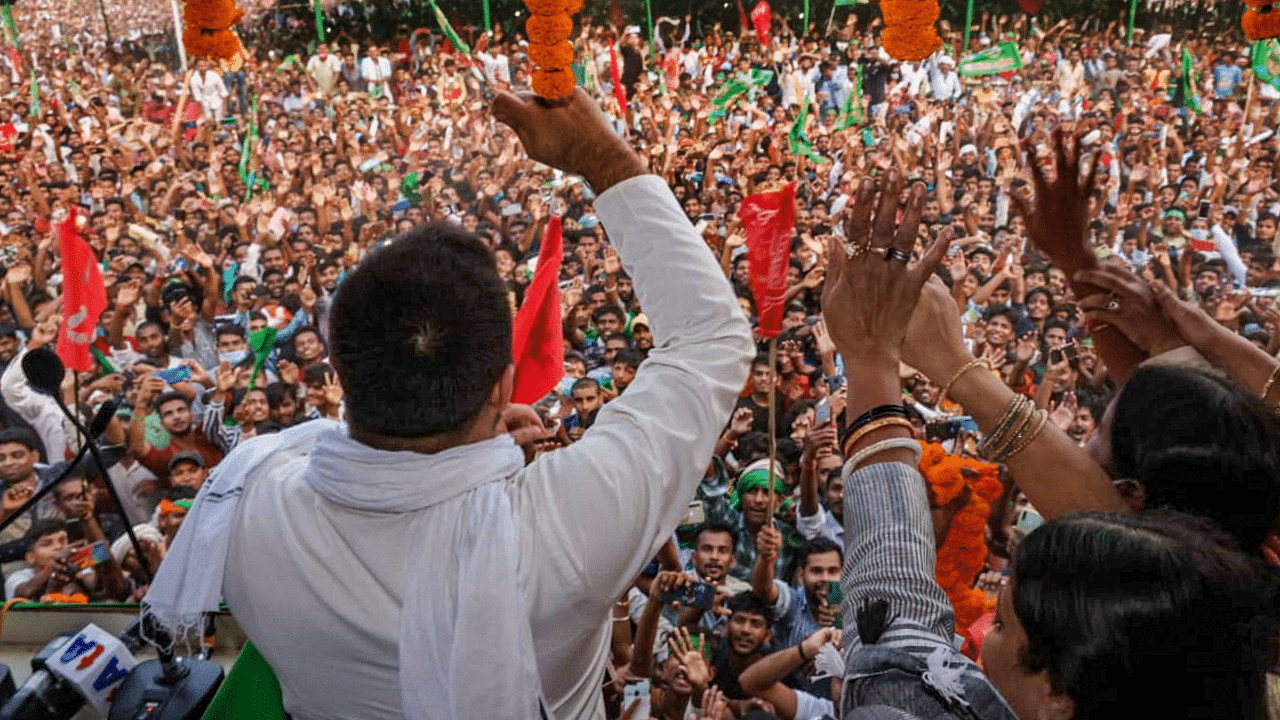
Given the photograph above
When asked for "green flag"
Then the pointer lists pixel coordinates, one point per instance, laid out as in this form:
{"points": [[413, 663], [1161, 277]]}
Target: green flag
{"points": [[1000, 58], [846, 3], [1133, 13], [261, 342], [35, 96], [968, 22], [735, 89], [1190, 98], [11, 25], [319, 21], [800, 144], [488, 26], [1266, 62], [447, 29]]}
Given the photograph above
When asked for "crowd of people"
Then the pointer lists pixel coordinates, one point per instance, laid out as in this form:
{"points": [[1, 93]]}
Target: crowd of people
{"points": [[222, 203]]}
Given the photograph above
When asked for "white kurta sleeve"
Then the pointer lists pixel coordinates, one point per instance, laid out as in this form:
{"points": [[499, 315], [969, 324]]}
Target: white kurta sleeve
{"points": [[593, 514]]}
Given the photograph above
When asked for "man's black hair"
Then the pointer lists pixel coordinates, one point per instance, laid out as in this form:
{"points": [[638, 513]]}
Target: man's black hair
{"points": [[169, 397], [421, 334], [43, 527], [603, 310], [817, 546], [585, 382], [229, 329], [315, 374], [630, 358], [747, 602], [715, 526]]}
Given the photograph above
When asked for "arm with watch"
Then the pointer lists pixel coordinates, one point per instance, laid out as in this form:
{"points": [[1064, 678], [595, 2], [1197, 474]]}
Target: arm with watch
{"points": [[765, 678]]}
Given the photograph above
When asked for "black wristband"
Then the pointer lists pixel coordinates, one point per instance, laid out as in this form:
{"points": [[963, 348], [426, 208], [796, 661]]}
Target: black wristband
{"points": [[875, 413], [800, 649]]}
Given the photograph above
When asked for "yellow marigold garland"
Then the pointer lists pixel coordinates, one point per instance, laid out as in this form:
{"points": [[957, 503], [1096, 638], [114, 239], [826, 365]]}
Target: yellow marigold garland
{"points": [[549, 27], [909, 33], [964, 553]]}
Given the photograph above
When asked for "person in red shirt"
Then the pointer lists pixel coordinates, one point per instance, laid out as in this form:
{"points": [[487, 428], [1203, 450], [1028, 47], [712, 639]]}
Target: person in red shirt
{"points": [[174, 409]]}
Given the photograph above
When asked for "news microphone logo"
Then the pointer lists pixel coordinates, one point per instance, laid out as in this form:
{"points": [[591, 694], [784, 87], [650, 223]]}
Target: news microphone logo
{"points": [[95, 662]]}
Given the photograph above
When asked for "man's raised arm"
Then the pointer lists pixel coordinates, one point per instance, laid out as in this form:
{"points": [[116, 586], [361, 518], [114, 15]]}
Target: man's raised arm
{"points": [[601, 508]]}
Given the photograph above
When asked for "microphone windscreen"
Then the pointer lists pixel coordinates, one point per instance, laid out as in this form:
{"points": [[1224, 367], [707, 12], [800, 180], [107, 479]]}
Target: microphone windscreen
{"points": [[44, 370]]}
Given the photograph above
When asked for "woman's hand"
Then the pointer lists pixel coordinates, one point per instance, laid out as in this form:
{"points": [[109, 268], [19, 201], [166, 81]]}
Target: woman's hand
{"points": [[1129, 305], [935, 341], [868, 299]]}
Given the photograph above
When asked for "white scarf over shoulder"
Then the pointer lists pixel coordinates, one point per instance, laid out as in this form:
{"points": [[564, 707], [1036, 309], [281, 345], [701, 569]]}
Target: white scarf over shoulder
{"points": [[464, 531]]}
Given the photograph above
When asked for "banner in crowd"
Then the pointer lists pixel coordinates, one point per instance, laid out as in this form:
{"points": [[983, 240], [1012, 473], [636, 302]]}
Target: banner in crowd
{"points": [[1000, 58], [84, 296], [761, 18], [537, 335], [1265, 56], [800, 143], [1190, 97], [768, 218]]}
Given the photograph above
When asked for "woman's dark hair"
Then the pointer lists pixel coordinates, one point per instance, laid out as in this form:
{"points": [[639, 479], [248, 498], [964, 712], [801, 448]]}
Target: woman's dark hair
{"points": [[1145, 615], [1202, 445]]}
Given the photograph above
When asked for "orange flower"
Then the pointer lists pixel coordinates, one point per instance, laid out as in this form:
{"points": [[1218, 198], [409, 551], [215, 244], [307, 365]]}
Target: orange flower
{"points": [[910, 43], [553, 84], [546, 7], [573, 7], [552, 57], [910, 12], [548, 29], [1260, 25]]}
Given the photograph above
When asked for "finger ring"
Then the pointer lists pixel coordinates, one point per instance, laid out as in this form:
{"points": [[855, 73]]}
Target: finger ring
{"points": [[1113, 306], [852, 251], [895, 254], [882, 252]]}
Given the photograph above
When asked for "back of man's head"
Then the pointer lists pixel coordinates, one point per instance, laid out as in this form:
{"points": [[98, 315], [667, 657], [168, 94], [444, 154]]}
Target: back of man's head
{"points": [[421, 333]]}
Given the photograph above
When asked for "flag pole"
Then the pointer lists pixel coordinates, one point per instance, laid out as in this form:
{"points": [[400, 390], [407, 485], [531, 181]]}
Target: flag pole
{"points": [[177, 33], [773, 418], [968, 22]]}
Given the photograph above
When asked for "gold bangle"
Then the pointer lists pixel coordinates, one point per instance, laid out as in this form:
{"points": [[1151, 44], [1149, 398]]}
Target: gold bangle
{"points": [[1042, 418], [1266, 389], [873, 426], [955, 378], [999, 435]]}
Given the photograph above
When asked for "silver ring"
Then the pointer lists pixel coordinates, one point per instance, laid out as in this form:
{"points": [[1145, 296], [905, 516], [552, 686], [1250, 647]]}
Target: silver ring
{"points": [[1113, 306], [895, 254]]}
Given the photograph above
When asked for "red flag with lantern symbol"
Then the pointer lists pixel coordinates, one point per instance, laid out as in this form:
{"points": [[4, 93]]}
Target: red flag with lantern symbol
{"points": [[762, 17], [768, 219], [84, 296]]}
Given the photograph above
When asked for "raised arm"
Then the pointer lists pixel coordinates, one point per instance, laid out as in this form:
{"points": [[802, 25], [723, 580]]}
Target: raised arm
{"points": [[613, 516]]}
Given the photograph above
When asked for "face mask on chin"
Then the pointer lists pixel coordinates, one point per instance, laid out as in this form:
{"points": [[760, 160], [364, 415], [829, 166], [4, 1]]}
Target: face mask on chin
{"points": [[235, 357]]}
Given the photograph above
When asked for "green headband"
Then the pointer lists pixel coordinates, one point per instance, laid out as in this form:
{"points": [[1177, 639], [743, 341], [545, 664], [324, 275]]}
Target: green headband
{"points": [[758, 478]]}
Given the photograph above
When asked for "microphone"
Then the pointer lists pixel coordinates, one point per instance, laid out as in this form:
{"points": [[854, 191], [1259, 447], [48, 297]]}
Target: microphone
{"points": [[44, 371], [90, 664]]}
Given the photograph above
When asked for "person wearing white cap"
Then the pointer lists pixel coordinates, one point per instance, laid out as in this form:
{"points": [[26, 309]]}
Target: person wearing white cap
{"points": [[943, 79]]}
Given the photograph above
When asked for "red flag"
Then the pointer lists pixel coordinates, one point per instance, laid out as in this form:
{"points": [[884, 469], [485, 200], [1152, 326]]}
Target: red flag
{"points": [[84, 296], [7, 132], [536, 332], [761, 17], [768, 218], [615, 73]]}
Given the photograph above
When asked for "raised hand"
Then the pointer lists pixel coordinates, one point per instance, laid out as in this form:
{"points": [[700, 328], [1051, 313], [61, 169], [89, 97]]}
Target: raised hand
{"points": [[332, 390], [741, 422], [690, 656], [1130, 305]]}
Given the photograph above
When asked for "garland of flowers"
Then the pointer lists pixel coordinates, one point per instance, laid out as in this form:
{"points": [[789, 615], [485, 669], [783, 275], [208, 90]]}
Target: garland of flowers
{"points": [[908, 33], [549, 27], [1261, 20], [208, 34], [964, 552]]}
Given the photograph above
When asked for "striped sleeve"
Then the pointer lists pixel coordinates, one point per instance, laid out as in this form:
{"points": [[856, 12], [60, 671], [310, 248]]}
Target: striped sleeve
{"points": [[889, 555], [224, 437]]}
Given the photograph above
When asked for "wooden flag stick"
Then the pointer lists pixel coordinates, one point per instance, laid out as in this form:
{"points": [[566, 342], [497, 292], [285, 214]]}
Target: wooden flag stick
{"points": [[773, 419]]}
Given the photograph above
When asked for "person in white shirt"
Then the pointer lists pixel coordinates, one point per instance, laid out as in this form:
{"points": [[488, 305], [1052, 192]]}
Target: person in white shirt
{"points": [[375, 70], [208, 89], [324, 70], [408, 564]]}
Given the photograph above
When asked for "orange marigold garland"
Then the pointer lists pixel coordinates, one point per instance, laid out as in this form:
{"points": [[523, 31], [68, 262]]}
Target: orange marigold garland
{"points": [[549, 27], [909, 33], [208, 34], [1261, 20], [963, 554]]}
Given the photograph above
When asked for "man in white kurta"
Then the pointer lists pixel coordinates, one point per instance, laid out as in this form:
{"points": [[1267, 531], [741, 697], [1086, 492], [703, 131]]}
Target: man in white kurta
{"points": [[320, 587]]}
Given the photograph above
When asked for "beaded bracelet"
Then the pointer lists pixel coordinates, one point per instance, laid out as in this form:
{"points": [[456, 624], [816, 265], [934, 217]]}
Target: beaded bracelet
{"points": [[942, 396], [876, 413], [1018, 430], [1042, 419], [1002, 428], [871, 427], [891, 444]]}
